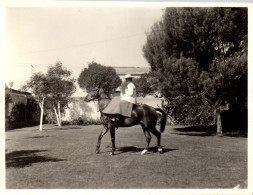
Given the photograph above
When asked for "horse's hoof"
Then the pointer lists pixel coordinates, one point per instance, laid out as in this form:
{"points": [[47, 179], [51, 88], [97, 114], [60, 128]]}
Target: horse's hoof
{"points": [[160, 150], [111, 153], [97, 151], [144, 151]]}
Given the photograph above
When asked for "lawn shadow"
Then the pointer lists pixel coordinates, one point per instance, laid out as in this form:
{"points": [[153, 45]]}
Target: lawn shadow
{"points": [[236, 134], [38, 137], [62, 128], [207, 131], [196, 131], [25, 158], [133, 149]]}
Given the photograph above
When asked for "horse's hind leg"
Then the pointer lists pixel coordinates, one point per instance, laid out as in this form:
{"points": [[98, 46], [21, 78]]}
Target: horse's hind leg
{"points": [[103, 132], [158, 136], [148, 139]]}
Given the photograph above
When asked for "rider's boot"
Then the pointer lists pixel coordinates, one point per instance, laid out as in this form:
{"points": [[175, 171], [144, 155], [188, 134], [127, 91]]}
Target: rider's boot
{"points": [[116, 119]]}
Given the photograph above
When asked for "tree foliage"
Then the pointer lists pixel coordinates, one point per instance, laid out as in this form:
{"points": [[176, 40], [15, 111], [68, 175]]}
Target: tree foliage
{"points": [[143, 86], [180, 85], [38, 85], [100, 77], [61, 85], [226, 82], [198, 33], [198, 60], [61, 89]]}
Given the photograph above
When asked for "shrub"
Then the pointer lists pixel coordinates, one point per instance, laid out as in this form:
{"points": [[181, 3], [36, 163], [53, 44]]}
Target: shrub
{"points": [[17, 117], [82, 121], [33, 112]]}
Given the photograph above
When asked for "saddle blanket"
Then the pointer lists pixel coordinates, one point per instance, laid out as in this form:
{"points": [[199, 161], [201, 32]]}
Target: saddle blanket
{"points": [[118, 106]]}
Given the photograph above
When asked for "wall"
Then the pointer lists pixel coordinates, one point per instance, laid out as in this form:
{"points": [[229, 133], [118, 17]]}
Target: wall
{"points": [[78, 108]]}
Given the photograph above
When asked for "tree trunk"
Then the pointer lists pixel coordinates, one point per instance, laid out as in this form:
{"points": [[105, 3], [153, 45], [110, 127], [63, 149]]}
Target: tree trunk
{"points": [[41, 114], [57, 118], [218, 118], [218, 122], [59, 113]]}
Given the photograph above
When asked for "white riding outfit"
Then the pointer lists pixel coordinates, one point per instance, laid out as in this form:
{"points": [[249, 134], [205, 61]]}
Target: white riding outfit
{"points": [[130, 94]]}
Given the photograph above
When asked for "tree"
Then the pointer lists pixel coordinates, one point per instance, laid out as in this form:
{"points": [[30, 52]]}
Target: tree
{"points": [[60, 89], [194, 58], [143, 86], [100, 77], [39, 86], [226, 84]]}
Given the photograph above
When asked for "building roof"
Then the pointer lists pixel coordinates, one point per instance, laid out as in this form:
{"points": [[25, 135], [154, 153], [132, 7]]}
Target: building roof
{"points": [[17, 91], [134, 71], [18, 96]]}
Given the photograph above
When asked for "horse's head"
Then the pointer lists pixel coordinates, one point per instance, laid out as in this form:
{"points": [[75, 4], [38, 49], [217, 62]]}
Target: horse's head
{"points": [[92, 95]]}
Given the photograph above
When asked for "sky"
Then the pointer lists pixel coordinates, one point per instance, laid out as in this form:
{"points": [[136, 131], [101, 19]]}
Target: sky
{"points": [[41, 36]]}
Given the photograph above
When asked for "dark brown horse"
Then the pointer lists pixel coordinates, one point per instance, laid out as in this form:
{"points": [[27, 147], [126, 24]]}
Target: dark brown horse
{"points": [[142, 114]]}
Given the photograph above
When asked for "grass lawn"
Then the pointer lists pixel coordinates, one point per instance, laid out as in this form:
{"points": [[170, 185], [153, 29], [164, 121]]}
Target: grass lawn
{"points": [[64, 158]]}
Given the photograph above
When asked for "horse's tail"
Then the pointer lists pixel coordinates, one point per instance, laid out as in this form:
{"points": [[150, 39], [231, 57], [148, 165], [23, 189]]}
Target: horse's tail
{"points": [[163, 121]]}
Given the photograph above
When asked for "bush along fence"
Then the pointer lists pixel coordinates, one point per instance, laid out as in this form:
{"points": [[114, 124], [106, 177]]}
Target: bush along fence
{"points": [[21, 110]]}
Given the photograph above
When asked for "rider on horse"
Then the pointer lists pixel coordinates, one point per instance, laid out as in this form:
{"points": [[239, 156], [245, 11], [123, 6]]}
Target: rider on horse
{"points": [[122, 106], [124, 112]]}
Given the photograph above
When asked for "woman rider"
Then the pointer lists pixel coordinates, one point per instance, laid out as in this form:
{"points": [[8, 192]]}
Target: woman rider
{"points": [[123, 105]]}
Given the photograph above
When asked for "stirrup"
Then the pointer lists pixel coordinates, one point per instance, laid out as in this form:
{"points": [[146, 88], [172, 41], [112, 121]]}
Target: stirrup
{"points": [[115, 120]]}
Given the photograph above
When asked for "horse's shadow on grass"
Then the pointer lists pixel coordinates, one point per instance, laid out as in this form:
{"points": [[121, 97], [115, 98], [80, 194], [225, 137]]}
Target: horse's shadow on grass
{"points": [[25, 158], [133, 149]]}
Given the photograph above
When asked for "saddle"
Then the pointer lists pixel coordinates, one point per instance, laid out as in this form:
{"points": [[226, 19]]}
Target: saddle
{"points": [[119, 117]]}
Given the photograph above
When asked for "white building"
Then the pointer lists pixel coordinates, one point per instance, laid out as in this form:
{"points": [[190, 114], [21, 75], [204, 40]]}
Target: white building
{"points": [[136, 72]]}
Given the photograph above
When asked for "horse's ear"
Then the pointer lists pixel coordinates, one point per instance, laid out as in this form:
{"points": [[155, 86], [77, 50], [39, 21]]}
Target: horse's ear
{"points": [[96, 89], [109, 95]]}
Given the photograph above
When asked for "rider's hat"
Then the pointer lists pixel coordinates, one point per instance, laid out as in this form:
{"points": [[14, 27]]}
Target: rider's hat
{"points": [[128, 76]]}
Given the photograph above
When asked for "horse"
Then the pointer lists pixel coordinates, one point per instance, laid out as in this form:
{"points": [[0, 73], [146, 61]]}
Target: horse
{"points": [[142, 114]]}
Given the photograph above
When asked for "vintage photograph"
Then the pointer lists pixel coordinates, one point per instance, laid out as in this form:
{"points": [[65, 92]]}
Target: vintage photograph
{"points": [[126, 97]]}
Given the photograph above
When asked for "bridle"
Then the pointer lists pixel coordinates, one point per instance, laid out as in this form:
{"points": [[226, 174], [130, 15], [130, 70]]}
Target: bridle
{"points": [[100, 108]]}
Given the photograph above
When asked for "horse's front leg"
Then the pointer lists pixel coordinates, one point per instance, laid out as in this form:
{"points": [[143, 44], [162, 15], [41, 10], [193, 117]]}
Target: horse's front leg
{"points": [[112, 132], [103, 132]]}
